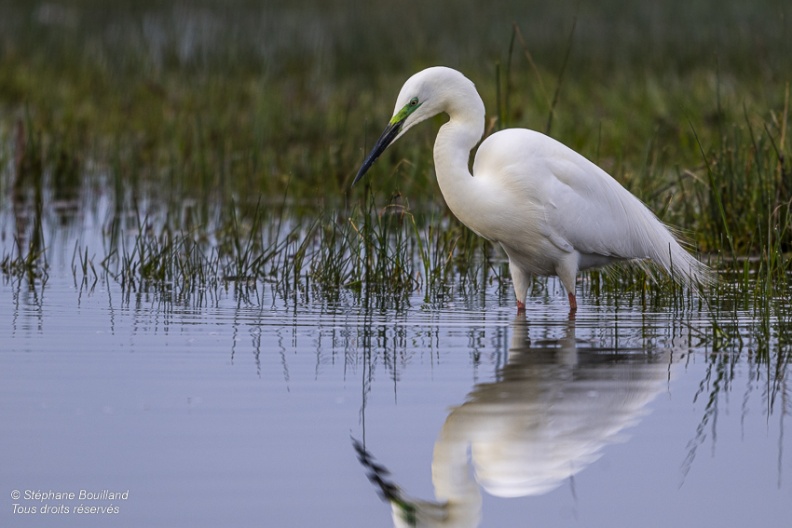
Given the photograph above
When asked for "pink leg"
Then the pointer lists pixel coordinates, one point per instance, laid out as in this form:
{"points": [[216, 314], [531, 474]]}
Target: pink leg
{"points": [[520, 307], [572, 303]]}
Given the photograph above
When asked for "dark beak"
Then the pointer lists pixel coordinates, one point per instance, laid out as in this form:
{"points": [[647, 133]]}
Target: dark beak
{"points": [[387, 137]]}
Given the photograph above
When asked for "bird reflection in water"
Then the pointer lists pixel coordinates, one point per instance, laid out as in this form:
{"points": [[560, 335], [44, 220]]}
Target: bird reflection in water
{"points": [[555, 406]]}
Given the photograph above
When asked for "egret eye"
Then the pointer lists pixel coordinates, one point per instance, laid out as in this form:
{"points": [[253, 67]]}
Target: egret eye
{"points": [[413, 101]]}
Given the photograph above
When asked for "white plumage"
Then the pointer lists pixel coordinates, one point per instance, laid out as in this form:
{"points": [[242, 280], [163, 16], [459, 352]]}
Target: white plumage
{"points": [[553, 211]]}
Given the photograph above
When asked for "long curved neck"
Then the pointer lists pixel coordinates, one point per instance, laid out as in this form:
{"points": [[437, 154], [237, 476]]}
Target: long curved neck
{"points": [[452, 149]]}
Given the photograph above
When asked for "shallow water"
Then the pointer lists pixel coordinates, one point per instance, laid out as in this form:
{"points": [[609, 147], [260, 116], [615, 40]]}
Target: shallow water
{"points": [[243, 413]]}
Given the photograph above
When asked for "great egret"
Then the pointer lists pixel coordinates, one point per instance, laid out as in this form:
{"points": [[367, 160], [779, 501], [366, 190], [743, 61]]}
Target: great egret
{"points": [[553, 211]]}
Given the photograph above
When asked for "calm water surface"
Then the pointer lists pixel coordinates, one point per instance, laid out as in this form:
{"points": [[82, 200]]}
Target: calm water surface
{"points": [[243, 413]]}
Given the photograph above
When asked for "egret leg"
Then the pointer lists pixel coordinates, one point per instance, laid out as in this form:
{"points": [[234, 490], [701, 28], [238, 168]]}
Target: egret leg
{"points": [[572, 303], [567, 271], [521, 281]]}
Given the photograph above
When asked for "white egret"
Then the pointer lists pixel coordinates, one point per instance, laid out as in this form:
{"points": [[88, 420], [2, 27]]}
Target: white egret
{"points": [[553, 211]]}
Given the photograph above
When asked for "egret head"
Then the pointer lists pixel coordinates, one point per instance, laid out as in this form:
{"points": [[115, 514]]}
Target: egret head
{"points": [[422, 96]]}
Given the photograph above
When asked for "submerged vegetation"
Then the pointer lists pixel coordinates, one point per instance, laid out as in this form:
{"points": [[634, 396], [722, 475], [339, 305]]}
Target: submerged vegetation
{"points": [[213, 144]]}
